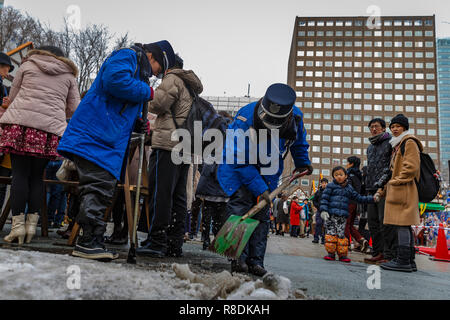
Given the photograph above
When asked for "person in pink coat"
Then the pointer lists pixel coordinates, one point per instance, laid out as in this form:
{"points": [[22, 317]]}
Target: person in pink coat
{"points": [[43, 95]]}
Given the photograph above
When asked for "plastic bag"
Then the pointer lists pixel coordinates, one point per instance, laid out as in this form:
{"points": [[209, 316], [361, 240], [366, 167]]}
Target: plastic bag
{"points": [[63, 172]]}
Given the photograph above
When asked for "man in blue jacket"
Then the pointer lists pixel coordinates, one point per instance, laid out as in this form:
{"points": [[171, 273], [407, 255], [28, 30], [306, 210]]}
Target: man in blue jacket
{"points": [[98, 135], [245, 180]]}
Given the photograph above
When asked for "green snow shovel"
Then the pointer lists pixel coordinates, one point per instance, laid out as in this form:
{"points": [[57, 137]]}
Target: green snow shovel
{"points": [[237, 230]]}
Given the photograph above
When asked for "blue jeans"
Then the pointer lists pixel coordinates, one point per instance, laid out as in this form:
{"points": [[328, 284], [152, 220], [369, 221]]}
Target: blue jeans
{"points": [[240, 203], [56, 199]]}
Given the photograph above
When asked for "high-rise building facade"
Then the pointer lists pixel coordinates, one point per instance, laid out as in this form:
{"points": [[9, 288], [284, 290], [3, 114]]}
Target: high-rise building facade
{"points": [[443, 58], [348, 70]]}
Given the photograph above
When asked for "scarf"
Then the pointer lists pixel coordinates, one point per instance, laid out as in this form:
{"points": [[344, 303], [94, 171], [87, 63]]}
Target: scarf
{"points": [[396, 140], [380, 137], [145, 70]]}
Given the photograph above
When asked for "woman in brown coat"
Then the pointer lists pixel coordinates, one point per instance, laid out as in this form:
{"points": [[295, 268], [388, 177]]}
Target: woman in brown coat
{"points": [[402, 199]]}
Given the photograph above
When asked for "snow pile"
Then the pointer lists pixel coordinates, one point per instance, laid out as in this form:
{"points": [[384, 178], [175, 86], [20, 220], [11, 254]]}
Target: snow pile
{"points": [[36, 276], [236, 287]]}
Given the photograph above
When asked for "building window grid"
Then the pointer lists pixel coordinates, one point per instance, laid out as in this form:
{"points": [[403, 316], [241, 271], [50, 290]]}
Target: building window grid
{"points": [[336, 101]]}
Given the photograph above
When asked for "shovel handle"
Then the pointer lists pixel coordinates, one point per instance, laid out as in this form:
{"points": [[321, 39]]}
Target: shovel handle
{"points": [[264, 203]]}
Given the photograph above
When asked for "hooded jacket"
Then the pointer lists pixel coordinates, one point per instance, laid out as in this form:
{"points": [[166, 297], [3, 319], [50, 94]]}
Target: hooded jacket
{"points": [[44, 93], [336, 198], [378, 160], [101, 128], [172, 100]]}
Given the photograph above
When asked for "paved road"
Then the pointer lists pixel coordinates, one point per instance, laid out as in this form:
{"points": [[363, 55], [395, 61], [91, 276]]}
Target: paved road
{"points": [[302, 262]]}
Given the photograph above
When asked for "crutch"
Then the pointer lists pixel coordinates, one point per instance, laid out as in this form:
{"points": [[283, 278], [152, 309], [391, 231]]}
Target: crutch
{"points": [[132, 252]]}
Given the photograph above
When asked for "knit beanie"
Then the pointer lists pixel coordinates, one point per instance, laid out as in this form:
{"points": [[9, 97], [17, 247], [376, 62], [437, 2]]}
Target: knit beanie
{"points": [[401, 120]]}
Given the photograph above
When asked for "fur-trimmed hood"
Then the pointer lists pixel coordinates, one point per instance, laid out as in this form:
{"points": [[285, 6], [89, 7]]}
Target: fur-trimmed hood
{"points": [[50, 63]]}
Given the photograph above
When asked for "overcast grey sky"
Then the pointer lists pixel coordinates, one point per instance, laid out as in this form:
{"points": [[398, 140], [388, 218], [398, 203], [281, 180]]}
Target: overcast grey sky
{"points": [[228, 43]]}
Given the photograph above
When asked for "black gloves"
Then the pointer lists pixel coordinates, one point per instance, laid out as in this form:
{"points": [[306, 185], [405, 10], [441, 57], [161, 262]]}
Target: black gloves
{"points": [[142, 126]]}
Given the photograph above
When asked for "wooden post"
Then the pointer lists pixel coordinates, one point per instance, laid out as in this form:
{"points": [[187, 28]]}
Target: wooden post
{"points": [[5, 213]]}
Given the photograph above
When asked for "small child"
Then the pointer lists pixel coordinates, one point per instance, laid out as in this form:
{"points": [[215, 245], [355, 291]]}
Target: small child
{"points": [[334, 211]]}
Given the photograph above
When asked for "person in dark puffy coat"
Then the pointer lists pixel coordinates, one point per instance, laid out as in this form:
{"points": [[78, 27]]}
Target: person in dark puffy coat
{"points": [[355, 180], [214, 198], [319, 234], [334, 211], [378, 174]]}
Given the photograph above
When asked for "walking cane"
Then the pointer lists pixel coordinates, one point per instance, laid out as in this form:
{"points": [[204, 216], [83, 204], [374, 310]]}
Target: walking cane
{"points": [[132, 252]]}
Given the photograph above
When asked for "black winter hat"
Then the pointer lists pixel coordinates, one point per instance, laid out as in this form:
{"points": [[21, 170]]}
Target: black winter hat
{"points": [[163, 53], [401, 120], [6, 60]]}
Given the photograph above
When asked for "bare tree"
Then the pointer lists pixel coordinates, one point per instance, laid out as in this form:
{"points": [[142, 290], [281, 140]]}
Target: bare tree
{"points": [[10, 21], [123, 41], [88, 47]]}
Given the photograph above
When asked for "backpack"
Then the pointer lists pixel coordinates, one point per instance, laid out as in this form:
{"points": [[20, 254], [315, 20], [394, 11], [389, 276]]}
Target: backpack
{"points": [[204, 112], [428, 185]]}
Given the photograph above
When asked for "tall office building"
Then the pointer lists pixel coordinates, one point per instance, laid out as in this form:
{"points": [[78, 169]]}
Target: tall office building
{"points": [[349, 70], [443, 58]]}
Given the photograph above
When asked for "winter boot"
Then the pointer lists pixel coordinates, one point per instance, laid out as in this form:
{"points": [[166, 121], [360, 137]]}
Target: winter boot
{"points": [[257, 270], [30, 226], [239, 266], [156, 247], [174, 248], [17, 230], [94, 251], [91, 245], [65, 234], [402, 262], [117, 237], [206, 244]]}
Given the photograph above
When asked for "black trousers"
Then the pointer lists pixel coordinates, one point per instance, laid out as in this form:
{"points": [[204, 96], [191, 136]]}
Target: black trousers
{"points": [[212, 212], [167, 201], [195, 211], [119, 215], [96, 189], [384, 237], [255, 249], [27, 186]]}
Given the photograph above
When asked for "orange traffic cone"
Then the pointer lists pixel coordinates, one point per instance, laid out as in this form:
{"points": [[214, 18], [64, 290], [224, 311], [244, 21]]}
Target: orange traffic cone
{"points": [[440, 253]]}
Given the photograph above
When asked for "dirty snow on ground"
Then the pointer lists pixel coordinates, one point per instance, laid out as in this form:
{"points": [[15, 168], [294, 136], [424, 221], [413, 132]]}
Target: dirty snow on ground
{"points": [[36, 275]]}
